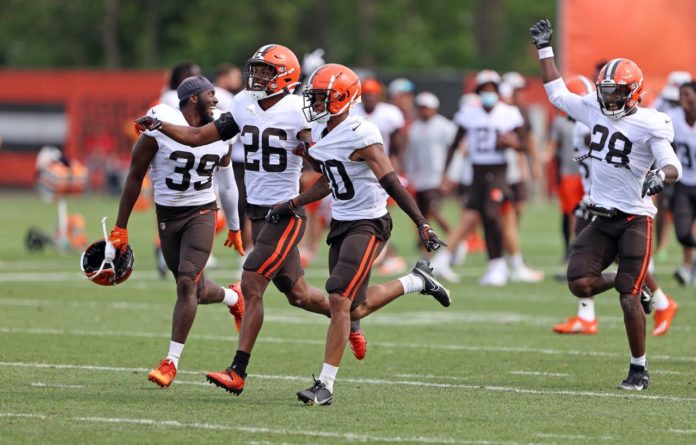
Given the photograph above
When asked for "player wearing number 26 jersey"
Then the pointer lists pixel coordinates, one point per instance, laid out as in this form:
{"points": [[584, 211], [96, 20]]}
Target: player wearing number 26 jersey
{"points": [[626, 140], [182, 178], [357, 173]]}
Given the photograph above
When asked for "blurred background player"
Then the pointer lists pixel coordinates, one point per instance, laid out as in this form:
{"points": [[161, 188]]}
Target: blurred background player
{"points": [[186, 207], [429, 139], [177, 75], [562, 148], [684, 196], [668, 100], [489, 127], [402, 93], [228, 82]]}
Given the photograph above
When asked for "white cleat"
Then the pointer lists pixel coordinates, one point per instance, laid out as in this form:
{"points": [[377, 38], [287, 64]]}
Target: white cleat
{"points": [[496, 275], [526, 275], [440, 263], [460, 254]]}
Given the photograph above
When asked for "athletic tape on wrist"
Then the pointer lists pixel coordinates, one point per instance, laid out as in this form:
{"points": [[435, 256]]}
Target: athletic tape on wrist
{"points": [[545, 53]]}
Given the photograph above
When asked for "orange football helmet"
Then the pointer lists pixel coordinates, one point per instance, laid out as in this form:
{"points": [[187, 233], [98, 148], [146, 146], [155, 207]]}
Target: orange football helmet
{"points": [[580, 85], [619, 87], [272, 70], [331, 90], [371, 85]]}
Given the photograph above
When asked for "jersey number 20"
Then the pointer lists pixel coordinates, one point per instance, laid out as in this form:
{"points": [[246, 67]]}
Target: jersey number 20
{"points": [[328, 168]]}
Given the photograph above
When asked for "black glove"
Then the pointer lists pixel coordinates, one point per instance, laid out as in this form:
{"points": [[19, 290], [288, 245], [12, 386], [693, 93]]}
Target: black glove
{"points": [[429, 238], [148, 123], [541, 34], [281, 211], [654, 183]]}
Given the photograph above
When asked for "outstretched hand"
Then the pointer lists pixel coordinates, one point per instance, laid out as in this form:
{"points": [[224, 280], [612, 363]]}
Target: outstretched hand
{"points": [[541, 33], [429, 238], [147, 123]]}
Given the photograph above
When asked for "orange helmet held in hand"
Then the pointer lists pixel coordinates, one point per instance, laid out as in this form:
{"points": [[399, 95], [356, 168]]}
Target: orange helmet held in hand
{"points": [[272, 70], [580, 85], [619, 87], [331, 90]]}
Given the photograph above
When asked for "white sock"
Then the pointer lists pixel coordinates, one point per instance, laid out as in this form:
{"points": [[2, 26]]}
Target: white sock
{"points": [[640, 361], [516, 261], [412, 283], [328, 376], [660, 299], [231, 297], [175, 350], [586, 309], [443, 258]]}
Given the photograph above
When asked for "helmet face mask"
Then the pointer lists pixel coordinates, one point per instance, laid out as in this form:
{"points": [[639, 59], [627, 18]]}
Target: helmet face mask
{"points": [[331, 90], [272, 70], [619, 88], [316, 105], [613, 99]]}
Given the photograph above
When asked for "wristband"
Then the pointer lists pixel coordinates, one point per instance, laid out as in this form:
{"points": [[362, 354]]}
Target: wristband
{"points": [[545, 53]]}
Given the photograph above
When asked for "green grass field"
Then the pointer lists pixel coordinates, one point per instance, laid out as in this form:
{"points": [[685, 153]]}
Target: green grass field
{"points": [[487, 370]]}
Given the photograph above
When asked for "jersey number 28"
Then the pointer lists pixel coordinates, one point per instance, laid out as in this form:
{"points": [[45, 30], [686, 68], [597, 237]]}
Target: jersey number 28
{"points": [[619, 146]]}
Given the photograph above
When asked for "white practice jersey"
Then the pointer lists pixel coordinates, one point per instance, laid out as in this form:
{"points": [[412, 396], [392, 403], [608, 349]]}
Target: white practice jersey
{"points": [[482, 130], [426, 151], [271, 170], [580, 131], [355, 191], [622, 151], [387, 117], [684, 145], [182, 175]]}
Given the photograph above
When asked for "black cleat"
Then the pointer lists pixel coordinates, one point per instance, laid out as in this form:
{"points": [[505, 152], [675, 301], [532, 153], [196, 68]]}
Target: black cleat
{"points": [[432, 286], [637, 379], [646, 299], [317, 394]]}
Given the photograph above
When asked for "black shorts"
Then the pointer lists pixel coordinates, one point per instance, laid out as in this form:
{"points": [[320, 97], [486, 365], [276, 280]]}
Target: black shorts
{"points": [[489, 185], [665, 199], [428, 201], [463, 191], [275, 254], [683, 206], [628, 237], [353, 247], [518, 192], [186, 238]]}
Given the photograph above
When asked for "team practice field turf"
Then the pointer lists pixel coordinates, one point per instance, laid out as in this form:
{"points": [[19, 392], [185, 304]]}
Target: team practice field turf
{"points": [[488, 370]]}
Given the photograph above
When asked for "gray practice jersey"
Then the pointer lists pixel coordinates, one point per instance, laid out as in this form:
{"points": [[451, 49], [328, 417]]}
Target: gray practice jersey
{"points": [[562, 132], [426, 151]]}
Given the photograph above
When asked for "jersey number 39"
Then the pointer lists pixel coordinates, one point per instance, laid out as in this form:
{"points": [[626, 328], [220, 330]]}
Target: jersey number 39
{"points": [[206, 167]]}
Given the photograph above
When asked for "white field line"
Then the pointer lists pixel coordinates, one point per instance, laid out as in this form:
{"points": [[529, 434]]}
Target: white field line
{"points": [[581, 437], [542, 374], [351, 437], [422, 384], [56, 385], [679, 431], [392, 345]]}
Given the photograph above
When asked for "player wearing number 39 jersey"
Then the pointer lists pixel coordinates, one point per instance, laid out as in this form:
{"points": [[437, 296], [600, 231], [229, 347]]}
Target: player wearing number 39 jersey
{"points": [[626, 141], [186, 205], [357, 173]]}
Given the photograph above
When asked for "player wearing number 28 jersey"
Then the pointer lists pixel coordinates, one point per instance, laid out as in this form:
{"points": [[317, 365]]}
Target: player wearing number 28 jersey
{"points": [[626, 141], [186, 205]]}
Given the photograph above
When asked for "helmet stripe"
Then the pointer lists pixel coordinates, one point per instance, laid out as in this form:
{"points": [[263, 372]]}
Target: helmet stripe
{"points": [[611, 69]]}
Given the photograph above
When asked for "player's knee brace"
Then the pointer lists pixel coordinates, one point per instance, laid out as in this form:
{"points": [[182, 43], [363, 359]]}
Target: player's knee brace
{"points": [[624, 283]]}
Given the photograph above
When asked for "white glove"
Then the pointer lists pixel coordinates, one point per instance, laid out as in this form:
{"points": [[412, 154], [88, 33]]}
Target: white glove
{"points": [[109, 252], [312, 61]]}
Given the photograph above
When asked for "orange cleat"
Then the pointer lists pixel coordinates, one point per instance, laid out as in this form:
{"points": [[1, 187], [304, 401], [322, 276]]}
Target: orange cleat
{"points": [[663, 318], [237, 310], [228, 380], [576, 325], [358, 344], [164, 374]]}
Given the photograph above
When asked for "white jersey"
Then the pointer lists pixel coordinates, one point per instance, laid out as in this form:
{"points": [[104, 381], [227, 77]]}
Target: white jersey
{"points": [[580, 131], [482, 130], [182, 175], [684, 145], [355, 191], [426, 151], [170, 98], [622, 151], [387, 117], [272, 171]]}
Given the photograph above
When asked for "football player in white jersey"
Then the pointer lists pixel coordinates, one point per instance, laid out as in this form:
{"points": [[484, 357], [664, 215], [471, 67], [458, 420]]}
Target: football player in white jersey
{"points": [[270, 124], [684, 197], [182, 179], [358, 175], [626, 141], [490, 126]]}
